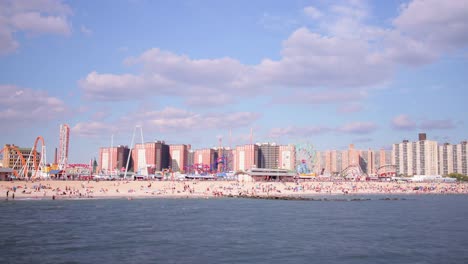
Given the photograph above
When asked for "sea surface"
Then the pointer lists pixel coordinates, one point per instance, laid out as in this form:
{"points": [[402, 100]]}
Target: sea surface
{"points": [[412, 229]]}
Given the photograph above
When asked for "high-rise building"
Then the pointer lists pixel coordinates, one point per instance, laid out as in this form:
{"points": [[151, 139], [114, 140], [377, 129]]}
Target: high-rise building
{"points": [[333, 162], [206, 157], [228, 159], [268, 155], [113, 159], [366, 160], [63, 146], [179, 157], [190, 160], [246, 157], [446, 159], [461, 158], [453, 158], [320, 162], [287, 157], [151, 156], [416, 158]]}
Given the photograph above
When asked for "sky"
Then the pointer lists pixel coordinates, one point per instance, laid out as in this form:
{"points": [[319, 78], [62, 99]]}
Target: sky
{"points": [[326, 73]]}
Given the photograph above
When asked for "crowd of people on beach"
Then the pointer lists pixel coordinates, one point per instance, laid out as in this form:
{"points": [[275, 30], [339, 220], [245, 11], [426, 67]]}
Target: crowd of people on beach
{"points": [[200, 188]]}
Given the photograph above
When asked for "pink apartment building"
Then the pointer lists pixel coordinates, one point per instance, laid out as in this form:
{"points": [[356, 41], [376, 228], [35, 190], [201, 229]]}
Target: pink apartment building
{"points": [[246, 157], [287, 157], [151, 156], [113, 159], [179, 157]]}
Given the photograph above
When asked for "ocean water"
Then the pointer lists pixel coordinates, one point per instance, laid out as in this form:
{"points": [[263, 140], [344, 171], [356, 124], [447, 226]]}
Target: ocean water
{"points": [[418, 229]]}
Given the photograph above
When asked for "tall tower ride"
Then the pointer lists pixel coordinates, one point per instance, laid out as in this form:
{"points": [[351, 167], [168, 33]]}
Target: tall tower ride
{"points": [[63, 146]]}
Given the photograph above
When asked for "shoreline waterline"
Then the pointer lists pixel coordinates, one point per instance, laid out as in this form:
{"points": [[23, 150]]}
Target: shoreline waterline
{"points": [[196, 189]]}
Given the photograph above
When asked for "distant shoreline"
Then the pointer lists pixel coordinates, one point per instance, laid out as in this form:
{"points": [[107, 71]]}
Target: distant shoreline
{"points": [[195, 189]]}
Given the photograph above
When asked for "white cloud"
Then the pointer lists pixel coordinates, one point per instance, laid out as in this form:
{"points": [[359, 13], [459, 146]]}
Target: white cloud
{"points": [[443, 24], [338, 63], [93, 129], [358, 128], [174, 119], [313, 60], [323, 96], [295, 131], [32, 17], [437, 124], [23, 105], [34, 22], [86, 31], [166, 73], [312, 12], [403, 122], [7, 42], [349, 128], [168, 120]]}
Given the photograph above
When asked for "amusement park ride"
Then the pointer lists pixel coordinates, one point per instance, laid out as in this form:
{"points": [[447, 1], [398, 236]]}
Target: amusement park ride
{"points": [[305, 160], [307, 167], [31, 168]]}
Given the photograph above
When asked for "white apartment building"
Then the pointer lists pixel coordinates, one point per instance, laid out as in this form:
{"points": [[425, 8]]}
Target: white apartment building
{"points": [[416, 158], [453, 158]]}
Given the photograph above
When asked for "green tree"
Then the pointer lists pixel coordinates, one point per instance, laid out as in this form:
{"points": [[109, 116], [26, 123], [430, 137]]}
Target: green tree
{"points": [[458, 176]]}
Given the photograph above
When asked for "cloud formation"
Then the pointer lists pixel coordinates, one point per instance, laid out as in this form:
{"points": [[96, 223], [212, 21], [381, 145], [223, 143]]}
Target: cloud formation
{"points": [[169, 120], [404, 122], [312, 12], [348, 128], [33, 17], [358, 128], [340, 62], [23, 105]]}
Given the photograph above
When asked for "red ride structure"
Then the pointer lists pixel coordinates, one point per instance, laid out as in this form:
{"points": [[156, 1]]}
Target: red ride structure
{"points": [[42, 162], [200, 168]]}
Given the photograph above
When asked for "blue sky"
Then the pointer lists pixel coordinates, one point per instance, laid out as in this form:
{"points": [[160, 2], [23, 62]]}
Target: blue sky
{"points": [[330, 73]]}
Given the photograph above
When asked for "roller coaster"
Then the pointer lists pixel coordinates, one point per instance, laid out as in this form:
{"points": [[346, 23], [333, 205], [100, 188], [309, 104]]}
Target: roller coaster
{"points": [[22, 171], [355, 171], [387, 170]]}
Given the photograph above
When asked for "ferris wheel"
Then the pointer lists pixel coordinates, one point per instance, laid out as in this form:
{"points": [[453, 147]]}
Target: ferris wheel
{"points": [[305, 157]]}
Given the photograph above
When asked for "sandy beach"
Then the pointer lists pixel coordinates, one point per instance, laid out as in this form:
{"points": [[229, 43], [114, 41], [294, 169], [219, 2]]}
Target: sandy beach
{"points": [[201, 189]]}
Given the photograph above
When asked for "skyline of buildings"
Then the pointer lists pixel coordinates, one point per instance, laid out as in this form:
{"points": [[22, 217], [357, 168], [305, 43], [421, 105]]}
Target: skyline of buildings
{"points": [[422, 157]]}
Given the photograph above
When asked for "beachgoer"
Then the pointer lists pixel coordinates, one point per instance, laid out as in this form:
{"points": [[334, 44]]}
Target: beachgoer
{"points": [[7, 193]]}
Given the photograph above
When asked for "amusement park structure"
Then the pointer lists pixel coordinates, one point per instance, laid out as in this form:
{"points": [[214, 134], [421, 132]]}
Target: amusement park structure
{"points": [[63, 146], [141, 166], [353, 171], [19, 157], [305, 158], [37, 165], [42, 161]]}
